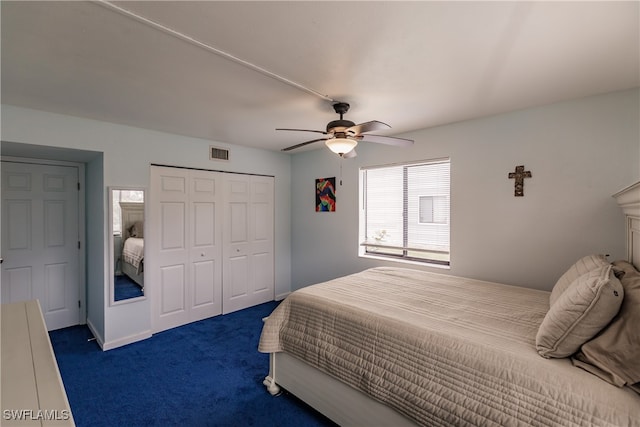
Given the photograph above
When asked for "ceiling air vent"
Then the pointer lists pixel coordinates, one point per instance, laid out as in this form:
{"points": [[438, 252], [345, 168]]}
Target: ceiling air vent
{"points": [[216, 153]]}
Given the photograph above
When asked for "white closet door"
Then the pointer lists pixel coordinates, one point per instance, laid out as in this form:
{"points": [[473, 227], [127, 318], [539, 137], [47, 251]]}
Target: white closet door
{"points": [[205, 256], [185, 253], [40, 238], [168, 253], [248, 268]]}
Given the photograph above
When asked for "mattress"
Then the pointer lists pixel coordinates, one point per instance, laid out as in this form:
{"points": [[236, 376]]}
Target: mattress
{"points": [[443, 350]]}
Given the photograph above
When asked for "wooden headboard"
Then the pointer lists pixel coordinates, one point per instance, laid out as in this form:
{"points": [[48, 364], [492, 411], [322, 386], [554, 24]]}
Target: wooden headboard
{"points": [[629, 201], [130, 214]]}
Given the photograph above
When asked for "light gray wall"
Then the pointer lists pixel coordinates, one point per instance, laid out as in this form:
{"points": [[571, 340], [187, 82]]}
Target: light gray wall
{"points": [[579, 152], [95, 266], [127, 153]]}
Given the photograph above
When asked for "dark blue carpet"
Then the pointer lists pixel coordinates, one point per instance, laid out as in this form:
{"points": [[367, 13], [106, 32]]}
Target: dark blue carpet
{"points": [[208, 373], [125, 288]]}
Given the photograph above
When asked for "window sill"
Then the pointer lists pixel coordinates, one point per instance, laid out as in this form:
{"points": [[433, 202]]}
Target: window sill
{"points": [[406, 261]]}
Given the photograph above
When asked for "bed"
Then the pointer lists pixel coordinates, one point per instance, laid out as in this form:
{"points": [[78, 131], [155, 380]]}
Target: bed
{"points": [[133, 241], [394, 346]]}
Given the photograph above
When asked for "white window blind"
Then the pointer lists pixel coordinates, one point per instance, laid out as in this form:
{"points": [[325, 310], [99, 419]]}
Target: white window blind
{"points": [[405, 211]]}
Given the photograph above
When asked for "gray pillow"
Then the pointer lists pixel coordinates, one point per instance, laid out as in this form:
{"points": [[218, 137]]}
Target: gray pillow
{"points": [[584, 309], [614, 354]]}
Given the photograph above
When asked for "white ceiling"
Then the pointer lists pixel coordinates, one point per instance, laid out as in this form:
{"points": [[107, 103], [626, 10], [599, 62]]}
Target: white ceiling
{"points": [[412, 65]]}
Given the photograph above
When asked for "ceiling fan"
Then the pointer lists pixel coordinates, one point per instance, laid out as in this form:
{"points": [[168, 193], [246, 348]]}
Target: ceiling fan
{"points": [[342, 135]]}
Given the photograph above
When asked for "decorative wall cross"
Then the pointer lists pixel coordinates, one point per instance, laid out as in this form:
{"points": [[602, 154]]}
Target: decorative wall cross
{"points": [[519, 175]]}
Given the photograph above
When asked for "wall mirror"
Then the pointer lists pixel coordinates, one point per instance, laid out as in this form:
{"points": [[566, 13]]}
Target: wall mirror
{"points": [[126, 231]]}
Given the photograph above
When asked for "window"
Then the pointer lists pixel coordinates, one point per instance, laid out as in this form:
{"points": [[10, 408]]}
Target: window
{"points": [[405, 211], [434, 209]]}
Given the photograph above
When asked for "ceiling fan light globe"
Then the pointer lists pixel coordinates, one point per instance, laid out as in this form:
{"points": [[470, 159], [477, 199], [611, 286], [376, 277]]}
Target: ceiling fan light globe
{"points": [[341, 146]]}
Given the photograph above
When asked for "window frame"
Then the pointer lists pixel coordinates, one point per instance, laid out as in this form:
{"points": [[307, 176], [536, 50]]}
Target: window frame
{"points": [[403, 251]]}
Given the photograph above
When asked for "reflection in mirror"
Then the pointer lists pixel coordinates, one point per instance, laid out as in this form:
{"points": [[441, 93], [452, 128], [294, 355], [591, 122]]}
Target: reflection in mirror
{"points": [[127, 231]]}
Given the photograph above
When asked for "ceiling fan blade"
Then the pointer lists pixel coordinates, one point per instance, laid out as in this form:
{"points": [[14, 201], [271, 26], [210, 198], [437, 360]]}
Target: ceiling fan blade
{"points": [[389, 140], [367, 127], [302, 144], [351, 154], [305, 130]]}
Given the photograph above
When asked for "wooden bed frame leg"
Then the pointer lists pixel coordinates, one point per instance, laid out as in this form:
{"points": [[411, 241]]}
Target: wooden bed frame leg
{"points": [[270, 380]]}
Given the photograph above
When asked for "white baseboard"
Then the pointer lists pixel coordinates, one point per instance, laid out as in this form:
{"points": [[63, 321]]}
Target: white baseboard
{"points": [[95, 333], [280, 297], [126, 340]]}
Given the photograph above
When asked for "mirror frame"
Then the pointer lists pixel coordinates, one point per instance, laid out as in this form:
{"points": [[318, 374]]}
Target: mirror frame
{"points": [[112, 285]]}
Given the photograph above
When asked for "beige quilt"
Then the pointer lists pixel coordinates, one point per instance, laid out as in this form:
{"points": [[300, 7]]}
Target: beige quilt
{"points": [[133, 252], [443, 350]]}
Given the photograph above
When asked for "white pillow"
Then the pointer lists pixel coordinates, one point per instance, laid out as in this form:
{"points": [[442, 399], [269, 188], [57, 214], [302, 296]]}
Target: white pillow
{"points": [[582, 266], [583, 310]]}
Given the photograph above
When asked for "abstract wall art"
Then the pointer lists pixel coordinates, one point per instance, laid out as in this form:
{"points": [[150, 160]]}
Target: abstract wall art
{"points": [[325, 194]]}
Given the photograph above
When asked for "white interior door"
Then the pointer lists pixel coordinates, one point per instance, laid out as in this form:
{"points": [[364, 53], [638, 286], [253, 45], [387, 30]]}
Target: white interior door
{"points": [[185, 253], [248, 267], [40, 239]]}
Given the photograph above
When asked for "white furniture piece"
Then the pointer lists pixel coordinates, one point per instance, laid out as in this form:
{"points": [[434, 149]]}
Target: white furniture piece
{"points": [[629, 200], [32, 389]]}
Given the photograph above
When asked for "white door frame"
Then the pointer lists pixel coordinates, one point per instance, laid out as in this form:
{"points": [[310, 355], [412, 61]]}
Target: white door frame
{"points": [[82, 292]]}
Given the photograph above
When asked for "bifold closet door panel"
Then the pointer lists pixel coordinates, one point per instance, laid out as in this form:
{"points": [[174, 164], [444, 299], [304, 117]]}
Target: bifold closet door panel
{"points": [[206, 244], [248, 267], [167, 242], [262, 232], [185, 249]]}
